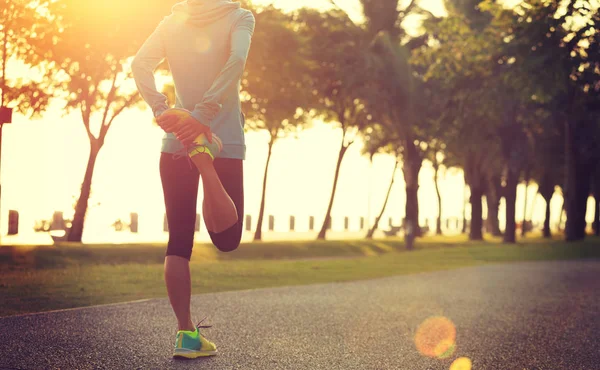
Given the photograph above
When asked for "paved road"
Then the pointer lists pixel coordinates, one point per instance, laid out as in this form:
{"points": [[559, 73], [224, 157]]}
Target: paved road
{"points": [[543, 315]]}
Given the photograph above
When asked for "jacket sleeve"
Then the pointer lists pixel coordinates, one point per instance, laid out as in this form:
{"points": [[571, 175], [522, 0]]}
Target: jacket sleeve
{"points": [[241, 36], [150, 55]]}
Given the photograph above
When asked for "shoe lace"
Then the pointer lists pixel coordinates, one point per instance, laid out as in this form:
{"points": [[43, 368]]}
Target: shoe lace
{"points": [[200, 326], [184, 153]]}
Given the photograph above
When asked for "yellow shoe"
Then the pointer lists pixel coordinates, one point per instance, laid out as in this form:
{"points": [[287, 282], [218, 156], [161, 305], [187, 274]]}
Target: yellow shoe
{"points": [[192, 344], [201, 145]]}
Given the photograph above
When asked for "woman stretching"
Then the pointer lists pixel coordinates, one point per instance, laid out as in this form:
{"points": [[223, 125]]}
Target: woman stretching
{"points": [[206, 43]]}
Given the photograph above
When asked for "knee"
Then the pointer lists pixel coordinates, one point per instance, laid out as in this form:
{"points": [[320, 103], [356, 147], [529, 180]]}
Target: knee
{"points": [[179, 253], [228, 240], [180, 245], [227, 246]]}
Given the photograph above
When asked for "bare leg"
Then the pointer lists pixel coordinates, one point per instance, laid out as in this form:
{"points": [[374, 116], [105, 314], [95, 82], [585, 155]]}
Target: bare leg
{"points": [[179, 288], [218, 209]]}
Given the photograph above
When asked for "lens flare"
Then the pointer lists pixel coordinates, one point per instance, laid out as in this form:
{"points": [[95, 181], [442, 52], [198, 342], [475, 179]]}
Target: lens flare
{"points": [[462, 363], [444, 349], [436, 337]]}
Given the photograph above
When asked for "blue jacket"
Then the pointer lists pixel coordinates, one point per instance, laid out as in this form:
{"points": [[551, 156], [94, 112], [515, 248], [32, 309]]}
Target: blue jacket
{"points": [[206, 43]]}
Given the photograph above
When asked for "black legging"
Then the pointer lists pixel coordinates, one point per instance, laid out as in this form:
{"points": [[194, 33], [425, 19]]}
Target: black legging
{"points": [[180, 182]]}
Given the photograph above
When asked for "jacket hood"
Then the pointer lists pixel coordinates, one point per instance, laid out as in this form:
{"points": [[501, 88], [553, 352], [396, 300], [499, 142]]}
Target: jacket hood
{"points": [[201, 13]]}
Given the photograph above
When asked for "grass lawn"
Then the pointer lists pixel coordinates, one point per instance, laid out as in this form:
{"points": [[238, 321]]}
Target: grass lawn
{"points": [[35, 278]]}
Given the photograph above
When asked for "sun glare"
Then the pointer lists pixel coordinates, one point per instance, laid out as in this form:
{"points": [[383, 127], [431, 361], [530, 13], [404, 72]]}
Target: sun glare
{"points": [[462, 363], [436, 337]]}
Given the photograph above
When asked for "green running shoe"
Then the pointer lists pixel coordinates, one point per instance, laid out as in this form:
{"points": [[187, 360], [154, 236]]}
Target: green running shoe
{"points": [[192, 344], [201, 145]]}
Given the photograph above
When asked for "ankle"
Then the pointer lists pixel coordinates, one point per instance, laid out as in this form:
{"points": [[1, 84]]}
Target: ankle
{"points": [[204, 163], [201, 153], [187, 327]]}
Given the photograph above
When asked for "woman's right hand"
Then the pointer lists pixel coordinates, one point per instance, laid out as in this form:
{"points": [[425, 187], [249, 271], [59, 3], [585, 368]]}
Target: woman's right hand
{"points": [[168, 121]]}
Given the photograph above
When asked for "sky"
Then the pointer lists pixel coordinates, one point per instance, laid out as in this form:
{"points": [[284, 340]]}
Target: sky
{"points": [[43, 162]]}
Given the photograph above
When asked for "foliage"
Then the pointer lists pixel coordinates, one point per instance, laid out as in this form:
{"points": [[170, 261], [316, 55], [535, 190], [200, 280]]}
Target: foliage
{"points": [[27, 37], [275, 95]]}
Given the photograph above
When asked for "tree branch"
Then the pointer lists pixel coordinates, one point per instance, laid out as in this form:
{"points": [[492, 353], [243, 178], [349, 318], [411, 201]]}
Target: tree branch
{"points": [[86, 120], [109, 98], [126, 104]]}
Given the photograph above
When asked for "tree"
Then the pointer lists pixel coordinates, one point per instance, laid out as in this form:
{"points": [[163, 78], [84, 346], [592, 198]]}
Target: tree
{"points": [[27, 35], [560, 59], [396, 106], [437, 163], [493, 194], [400, 91], [546, 189], [94, 48], [458, 64], [273, 85], [336, 52], [26, 38], [548, 160], [379, 139]]}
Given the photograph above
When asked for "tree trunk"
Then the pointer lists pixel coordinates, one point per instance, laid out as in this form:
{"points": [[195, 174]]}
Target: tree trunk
{"points": [[512, 180], [547, 233], [261, 212], [385, 202], [524, 224], [438, 224], [343, 150], [577, 188], [411, 168], [476, 180], [76, 231], [576, 205], [475, 231], [546, 190], [492, 196]]}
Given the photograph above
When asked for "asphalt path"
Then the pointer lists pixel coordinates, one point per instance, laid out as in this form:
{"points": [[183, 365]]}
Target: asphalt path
{"points": [[538, 315]]}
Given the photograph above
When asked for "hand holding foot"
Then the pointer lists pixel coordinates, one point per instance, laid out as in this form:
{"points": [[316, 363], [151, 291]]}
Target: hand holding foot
{"points": [[185, 127], [189, 129], [170, 119]]}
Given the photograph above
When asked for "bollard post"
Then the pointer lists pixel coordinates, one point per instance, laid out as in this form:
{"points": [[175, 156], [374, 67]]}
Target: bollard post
{"points": [[248, 223], [58, 221], [13, 222], [133, 222], [271, 222]]}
